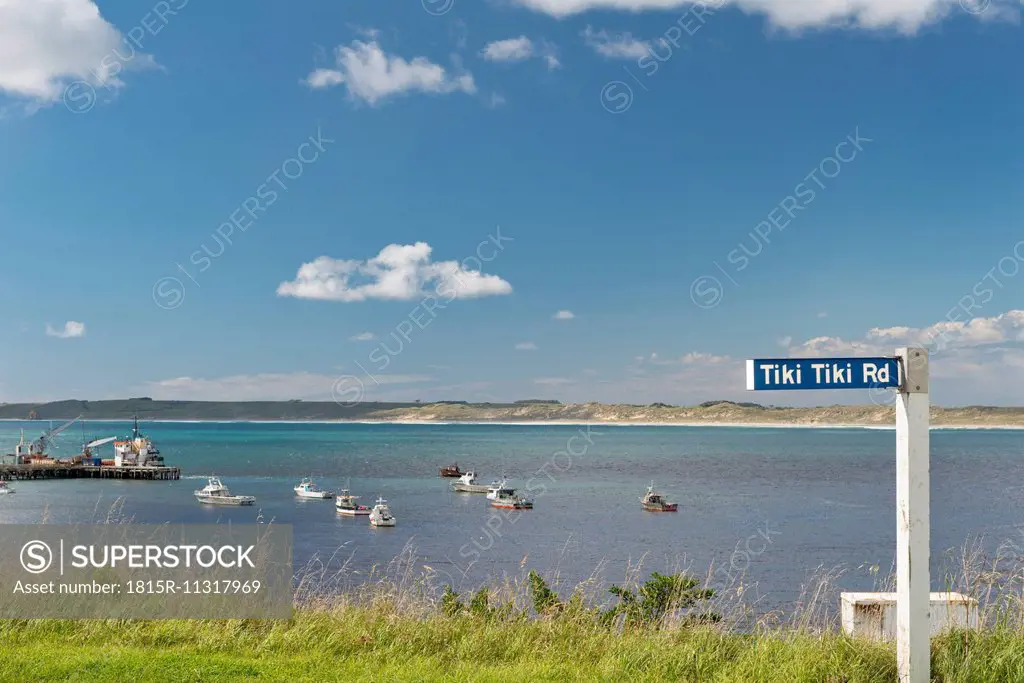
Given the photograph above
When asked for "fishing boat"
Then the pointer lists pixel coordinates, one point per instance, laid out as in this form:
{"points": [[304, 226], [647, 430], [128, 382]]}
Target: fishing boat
{"points": [[467, 484], [452, 470], [507, 499], [654, 502], [307, 489], [216, 493], [5, 489], [492, 490], [381, 515], [346, 504]]}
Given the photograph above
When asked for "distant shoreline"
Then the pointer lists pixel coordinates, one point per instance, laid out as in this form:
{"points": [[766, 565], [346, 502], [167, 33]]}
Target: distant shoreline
{"points": [[528, 412], [556, 423]]}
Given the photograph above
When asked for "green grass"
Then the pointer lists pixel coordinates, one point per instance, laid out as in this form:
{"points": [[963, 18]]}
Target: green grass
{"points": [[401, 624], [378, 644]]}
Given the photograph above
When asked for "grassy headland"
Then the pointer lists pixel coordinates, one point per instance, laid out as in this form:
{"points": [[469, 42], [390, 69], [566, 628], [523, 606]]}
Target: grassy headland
{"points": [[363, 644], [406, 625], [711, 412], [380, 643]]}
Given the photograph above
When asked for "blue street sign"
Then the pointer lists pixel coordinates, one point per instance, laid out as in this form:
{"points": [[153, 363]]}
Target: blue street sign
{"points": [[822, 373]]}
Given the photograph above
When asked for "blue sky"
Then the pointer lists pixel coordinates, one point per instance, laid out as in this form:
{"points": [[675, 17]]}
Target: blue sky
{"points": [[632, 155]]}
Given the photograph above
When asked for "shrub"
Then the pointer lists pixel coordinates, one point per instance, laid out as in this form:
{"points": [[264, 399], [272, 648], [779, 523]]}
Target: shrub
{"points": [[659, 597]]}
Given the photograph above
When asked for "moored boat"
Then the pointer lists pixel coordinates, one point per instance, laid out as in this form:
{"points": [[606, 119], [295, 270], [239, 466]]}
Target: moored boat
{"points": [[451, 471], [216, 493], [381, 515], [507, 499], [492, 490], [307, 489], [654, 502], [5, 489], [467, 484], [139, 450], [346, 504]]}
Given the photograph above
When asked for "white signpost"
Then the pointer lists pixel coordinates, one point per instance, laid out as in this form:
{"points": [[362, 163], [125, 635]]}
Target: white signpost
{"points": [[908, 373]]}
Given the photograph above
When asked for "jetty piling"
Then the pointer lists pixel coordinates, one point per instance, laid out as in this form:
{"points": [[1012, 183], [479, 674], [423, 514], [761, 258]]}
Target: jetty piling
{"points": [[77, 471]]}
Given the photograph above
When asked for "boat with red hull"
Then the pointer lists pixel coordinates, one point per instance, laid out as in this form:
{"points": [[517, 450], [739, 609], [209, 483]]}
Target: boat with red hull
{"points": [[452, 471]]}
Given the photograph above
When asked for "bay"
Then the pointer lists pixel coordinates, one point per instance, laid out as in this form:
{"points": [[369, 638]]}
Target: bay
{"points": [[773, 504]]}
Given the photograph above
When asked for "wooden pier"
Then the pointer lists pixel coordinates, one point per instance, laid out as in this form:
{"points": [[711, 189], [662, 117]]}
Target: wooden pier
{"points": [[58, 471]]}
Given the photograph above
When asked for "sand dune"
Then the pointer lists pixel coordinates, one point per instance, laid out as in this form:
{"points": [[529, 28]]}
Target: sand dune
{"points": [[709, 413]]}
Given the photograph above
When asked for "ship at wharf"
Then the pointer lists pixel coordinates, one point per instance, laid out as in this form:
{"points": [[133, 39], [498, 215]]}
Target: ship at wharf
{"points": [[135, 457]]}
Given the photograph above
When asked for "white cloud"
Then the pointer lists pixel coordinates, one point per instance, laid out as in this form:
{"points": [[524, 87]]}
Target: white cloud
{"points": [[526, 346], [399, 272], [942, 336], [823, 314], [691, 358], [697, 358], [71, 330], [266, 387], [785, 342], [978, 360], [563, 315], [835, 346], [552, 381], [520, 49], [1005, 327], [696, 377], [905, 16], [47, 44], [324, 78], [509, 50], [550, 55], [496, 100], [622, 46], [371, 75], [362, 336], [464, 391]]}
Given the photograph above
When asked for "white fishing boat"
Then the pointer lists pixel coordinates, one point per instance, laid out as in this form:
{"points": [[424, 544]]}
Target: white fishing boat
{"points": [[467, 484], [216, 493], [307, 489], [508, 499], [5, 489], [655, 502], [381, 514], [346, 505], [493, 489]]}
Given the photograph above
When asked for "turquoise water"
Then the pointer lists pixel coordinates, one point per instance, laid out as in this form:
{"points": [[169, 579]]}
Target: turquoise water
{"points": [[822, 497]]}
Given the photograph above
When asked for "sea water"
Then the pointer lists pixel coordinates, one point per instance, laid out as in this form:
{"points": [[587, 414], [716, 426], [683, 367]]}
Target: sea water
{"points": [[774, 504]]}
